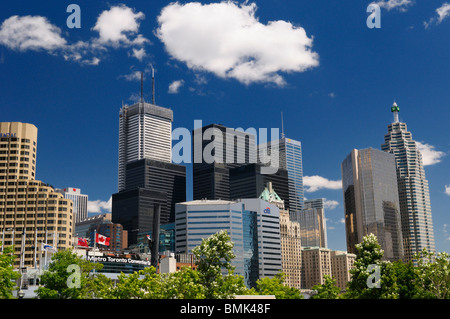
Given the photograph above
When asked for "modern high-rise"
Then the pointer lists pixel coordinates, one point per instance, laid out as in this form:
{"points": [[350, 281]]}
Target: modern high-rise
{"points": [[79, 200], [149, 183], [313, 223], [253, 225], [216, 150], [371, 201], [145, 131], [160, 176], [31, 212], [290, 159], [249, 181], [415, 207]]}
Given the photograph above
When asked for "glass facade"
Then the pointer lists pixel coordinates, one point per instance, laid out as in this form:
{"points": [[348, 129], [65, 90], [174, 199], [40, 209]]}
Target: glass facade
{"points": [[290, 159], [371, 201], [415, 207], [255, 233]]}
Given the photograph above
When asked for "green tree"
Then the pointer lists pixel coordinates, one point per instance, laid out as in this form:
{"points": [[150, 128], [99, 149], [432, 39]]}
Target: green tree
{"points": [[407, 277], [214, 255], [433, 275], [371, 278], [275, 286], [68, 277], [182, 284], [7, 274], [328, 290]]}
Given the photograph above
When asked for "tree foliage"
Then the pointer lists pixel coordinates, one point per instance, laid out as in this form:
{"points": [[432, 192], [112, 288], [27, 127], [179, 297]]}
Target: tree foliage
{"points": [[59, 282], [275, 286], [214, 256], [328, 290], [371, 277], [7, 274]]}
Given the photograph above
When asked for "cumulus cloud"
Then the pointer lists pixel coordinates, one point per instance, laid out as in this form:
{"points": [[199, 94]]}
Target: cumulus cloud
{"points": [[330, 204], [401, 5], [139, 53], [429, 155], [116, 27], [315, 183], [442, 13], [119, 26], [98, 206], [447, 189], [227, 40], [175, 86], [30, 33]]}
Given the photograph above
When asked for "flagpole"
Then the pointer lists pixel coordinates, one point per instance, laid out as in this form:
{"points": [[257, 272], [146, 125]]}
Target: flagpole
{"points": [[45, 253], [35, 247], [95, 245]]}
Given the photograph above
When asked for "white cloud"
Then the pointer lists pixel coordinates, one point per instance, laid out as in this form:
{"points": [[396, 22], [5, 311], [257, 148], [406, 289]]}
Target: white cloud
{"points": [[442, 13], [447, 189], [315, 183], [133, 76], [139, 53], [342, 220], [228, 40], [330, 204], [175, 86], [118, 25], [97, 206], [429, 155], [31, 33], [401, 5]]}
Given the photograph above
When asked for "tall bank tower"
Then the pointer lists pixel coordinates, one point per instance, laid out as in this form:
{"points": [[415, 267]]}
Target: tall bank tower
{"points": [[414, 196]]}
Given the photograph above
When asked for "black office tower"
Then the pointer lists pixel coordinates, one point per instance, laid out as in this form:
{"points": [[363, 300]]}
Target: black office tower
{"points": [[248, 182], [150, 186], [162, 177], [216, 150], [135, 210]]}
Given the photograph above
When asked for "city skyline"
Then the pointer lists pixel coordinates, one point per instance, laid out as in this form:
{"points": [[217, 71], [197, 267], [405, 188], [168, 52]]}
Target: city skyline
{"points": [[72, 83]]}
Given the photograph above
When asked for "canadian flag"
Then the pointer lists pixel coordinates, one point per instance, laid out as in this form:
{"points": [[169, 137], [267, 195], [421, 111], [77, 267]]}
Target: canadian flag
{"points": [[103, 240], [83, 242]]}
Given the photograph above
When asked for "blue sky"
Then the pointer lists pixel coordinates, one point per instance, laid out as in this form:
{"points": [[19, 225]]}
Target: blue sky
{"points": [[239, 64]]}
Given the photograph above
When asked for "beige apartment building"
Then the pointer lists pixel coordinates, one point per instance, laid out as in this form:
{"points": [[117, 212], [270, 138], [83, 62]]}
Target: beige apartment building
{"points": [[341, 263], [318, 262], [31, 212]]}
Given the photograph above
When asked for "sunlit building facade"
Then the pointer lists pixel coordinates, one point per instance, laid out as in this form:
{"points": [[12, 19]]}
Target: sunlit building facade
{"points": [[414, 196], [371, 201]]}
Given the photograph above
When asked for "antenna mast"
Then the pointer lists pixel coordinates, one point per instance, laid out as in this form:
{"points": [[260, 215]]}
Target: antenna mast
{"points": [[142, 87], [153, 86], [282, 126]]}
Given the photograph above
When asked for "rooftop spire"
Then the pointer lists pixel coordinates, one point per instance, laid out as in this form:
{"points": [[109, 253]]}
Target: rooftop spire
{"points": [[395, 109]]}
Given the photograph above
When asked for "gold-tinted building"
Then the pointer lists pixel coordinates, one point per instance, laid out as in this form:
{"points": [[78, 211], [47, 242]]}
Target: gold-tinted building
{"points": [[31, 212]]}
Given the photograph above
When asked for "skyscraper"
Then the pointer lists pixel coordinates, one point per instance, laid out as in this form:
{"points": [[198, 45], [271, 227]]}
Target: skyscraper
{"points": [[290, 159], [79, 202], [253, 225], [415, 208], [145, 131], [226, 149], [371, 201], [313, 224]]}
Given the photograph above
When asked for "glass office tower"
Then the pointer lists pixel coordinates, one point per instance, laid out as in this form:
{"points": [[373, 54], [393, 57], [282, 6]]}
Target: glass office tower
{"points": [[371, 201], [290, 159], [145, 131], [415, 208]]}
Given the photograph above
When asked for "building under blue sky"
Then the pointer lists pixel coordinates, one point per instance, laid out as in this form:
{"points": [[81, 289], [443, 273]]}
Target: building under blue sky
{"points": [[239, 64]]}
